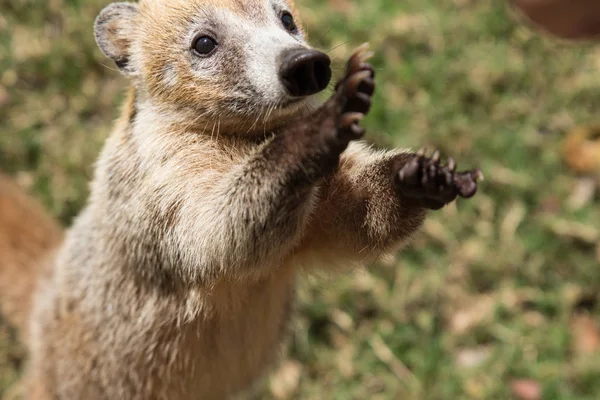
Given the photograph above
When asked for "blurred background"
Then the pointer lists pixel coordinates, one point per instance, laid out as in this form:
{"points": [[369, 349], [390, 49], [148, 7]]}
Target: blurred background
{"points": [[496, 298]]}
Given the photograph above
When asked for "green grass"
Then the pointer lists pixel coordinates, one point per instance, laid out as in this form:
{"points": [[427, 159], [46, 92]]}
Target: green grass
{"points": [[500, 278]]}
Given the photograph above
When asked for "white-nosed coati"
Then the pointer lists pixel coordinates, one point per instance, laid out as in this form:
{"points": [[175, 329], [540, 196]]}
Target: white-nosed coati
{"points": [[220, 181]]}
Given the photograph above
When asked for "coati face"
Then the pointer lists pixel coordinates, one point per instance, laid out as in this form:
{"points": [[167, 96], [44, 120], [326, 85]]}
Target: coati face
{"points": [[233, 60]]}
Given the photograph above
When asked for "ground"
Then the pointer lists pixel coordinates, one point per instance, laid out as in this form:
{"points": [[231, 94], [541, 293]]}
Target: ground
{"points": [[496, 296]]}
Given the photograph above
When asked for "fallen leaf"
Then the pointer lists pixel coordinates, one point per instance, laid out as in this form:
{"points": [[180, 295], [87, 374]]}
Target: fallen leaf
{"points": [[583, 193], [585, 334], [574, 230], [526, 389], [581, 149], [473, 357], [345, 360], [342, 320], [474, 388], [385, 355], [534, 318], [479, 311], [285, 381], [550, 205]]}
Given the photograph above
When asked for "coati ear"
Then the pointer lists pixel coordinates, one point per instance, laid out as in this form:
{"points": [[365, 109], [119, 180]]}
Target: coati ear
{"points": [[113, 29]]}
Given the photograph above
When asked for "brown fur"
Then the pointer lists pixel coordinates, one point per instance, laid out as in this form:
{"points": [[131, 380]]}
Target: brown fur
{"points": [[177, 279], [27, 236]]}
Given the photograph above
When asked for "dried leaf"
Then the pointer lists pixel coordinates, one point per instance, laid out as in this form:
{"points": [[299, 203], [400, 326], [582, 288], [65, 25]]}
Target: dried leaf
{"points": [[583, 193], [526, 389], [342, 320], [574, 230], [550, 205], [515, 215], [581, 149], [385, 355], [473, 357], [534, 318], [585, 334], [285, 381], [475, 314]]}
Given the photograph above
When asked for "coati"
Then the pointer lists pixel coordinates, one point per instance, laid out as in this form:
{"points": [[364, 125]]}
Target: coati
{"points": [[221, 181]]}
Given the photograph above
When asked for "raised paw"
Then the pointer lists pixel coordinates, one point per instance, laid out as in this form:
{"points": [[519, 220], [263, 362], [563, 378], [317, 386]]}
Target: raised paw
{"points": [[353, 94], [336, 123], [425, 182]]}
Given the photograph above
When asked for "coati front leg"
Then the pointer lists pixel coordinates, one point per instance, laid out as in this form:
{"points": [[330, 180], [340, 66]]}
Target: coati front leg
{"points": [[266, 199], [376, 200]]}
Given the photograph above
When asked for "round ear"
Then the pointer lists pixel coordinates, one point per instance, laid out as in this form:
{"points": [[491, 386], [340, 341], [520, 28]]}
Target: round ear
{"points": [[567, 19], [114, 31]]}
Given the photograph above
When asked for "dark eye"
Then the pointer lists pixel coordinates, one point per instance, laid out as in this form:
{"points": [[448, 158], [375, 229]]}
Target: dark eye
{"points": [[288, 22], [204, 45]]}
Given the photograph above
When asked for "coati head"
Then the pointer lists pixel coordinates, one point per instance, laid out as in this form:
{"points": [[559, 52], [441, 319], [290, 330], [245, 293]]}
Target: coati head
{"points": [[241, 62]]}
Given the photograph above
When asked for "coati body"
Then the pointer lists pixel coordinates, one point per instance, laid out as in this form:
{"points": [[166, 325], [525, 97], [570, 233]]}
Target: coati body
{"points": [[219, 183]]}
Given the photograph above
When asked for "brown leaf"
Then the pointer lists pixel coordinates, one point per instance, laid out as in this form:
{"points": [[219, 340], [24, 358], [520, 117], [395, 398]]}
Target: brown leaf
{"points": [[585, 334], [581, 149], [550, 205], [480, 310], [526, 389]]}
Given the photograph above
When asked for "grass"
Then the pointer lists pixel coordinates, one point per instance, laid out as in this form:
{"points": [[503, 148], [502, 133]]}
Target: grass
{"points": [[499, 288]]}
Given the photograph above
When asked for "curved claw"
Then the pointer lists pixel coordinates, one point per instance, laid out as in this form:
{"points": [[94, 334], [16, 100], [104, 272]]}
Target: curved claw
{"points": [[425, 182], [354, 81], [466, 183], [408, 174], [351, 118], [451, 164], [360, 55]]}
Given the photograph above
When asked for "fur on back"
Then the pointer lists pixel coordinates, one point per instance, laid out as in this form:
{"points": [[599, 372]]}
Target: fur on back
{"points": [[27, 237]]}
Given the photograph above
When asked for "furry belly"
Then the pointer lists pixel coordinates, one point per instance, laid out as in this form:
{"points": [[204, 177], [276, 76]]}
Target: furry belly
{"points": [[223, 350], [233, 349]]}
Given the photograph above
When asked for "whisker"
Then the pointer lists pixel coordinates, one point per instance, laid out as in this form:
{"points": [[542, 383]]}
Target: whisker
{"points": [[335, 47], [255, 121], [110, 67], [323, 35]]}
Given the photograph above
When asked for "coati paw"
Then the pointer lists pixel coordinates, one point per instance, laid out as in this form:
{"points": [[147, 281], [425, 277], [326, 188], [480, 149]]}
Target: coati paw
{"points": [[353, 95], [425, 182], [336, 123]]}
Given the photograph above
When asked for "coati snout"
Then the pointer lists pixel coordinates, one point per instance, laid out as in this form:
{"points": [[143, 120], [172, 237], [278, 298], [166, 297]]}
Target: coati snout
{"points": [[304, 71]]}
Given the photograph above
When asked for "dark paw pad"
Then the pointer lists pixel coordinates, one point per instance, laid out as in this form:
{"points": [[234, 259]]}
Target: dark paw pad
{"points": [[426, 182]]}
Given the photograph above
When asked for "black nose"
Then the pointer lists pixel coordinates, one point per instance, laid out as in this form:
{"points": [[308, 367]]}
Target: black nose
{"points": [[304, 72]]}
